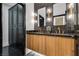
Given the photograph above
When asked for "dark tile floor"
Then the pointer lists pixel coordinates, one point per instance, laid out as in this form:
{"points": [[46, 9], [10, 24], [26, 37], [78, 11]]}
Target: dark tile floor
{"points": [[10, 51]]}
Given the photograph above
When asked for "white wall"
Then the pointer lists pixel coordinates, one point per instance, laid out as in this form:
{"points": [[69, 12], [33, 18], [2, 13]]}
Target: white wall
{"points": [[59, 8], [29, 16], [29, 11], [5, 8]]}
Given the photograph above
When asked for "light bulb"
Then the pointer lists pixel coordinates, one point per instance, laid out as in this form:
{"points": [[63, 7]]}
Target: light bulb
{"points": [[34, 14], [34, 21], [71, 5], [48, 19], [49, 10], [70, 16]]}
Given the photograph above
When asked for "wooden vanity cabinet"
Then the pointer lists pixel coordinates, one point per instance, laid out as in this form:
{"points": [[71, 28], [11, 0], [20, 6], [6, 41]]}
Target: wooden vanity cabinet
{"points": [[42, 44], [60, 46], [52, 45], [32, 42], [29, 41], [36, 43]]}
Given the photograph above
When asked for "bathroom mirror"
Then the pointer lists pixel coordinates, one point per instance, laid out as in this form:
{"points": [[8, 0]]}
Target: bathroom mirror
{"points": [[60, 20], [59, 9], [59, 14], [71, 16], [42, 17]]}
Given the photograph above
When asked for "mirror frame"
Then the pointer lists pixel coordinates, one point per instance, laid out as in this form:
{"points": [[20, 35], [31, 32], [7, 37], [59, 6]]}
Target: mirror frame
{"points": [[44, 17]]}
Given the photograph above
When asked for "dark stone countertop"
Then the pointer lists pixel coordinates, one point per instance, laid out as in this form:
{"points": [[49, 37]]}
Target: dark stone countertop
{"points": [[52, 34]]}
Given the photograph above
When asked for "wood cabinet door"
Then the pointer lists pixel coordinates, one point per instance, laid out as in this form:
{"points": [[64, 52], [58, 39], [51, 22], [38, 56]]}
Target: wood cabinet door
{"points": [[41, 41], [29, 41], [35, 42], [32, 42], [50, 46], [68, 46]]}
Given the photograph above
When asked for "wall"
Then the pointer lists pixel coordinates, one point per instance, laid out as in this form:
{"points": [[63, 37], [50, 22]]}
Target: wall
{"points": [[5, 8], [29, 23], [29, 16]]}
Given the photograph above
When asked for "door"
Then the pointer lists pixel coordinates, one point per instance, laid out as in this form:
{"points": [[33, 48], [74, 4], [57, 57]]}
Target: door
{"points": [[41, 44], [17, 27], [51, 46]]}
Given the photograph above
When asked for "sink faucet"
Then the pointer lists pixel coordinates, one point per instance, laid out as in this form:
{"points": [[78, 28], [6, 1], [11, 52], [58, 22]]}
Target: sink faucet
{"points": [[59, 30]]}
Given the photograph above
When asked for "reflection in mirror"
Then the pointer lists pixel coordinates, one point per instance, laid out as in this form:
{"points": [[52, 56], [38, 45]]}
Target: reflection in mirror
{"points": [[42, 17], [71, 16], [41, 21], [59, 13], [49, 14], [78, 12], [59, 8], [60, 20], [59, 17]]}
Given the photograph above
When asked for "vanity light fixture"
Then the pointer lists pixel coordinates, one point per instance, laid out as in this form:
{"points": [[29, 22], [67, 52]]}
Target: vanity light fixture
{"points": [[70, 16], [34, 15], [71, 5], [49, 14], [49, 19], [49, 10], [34, 21]]}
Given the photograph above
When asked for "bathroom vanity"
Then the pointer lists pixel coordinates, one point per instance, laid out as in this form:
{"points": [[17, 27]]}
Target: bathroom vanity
{"points": [[52, 44]]}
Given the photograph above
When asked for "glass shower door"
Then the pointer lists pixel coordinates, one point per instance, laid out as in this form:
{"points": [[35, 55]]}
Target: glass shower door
{"points": [[13, 25], [16, 27]]}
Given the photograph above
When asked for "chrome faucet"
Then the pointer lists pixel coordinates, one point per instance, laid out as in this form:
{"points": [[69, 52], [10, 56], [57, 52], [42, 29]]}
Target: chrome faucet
{"points": [[59, 30]]}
